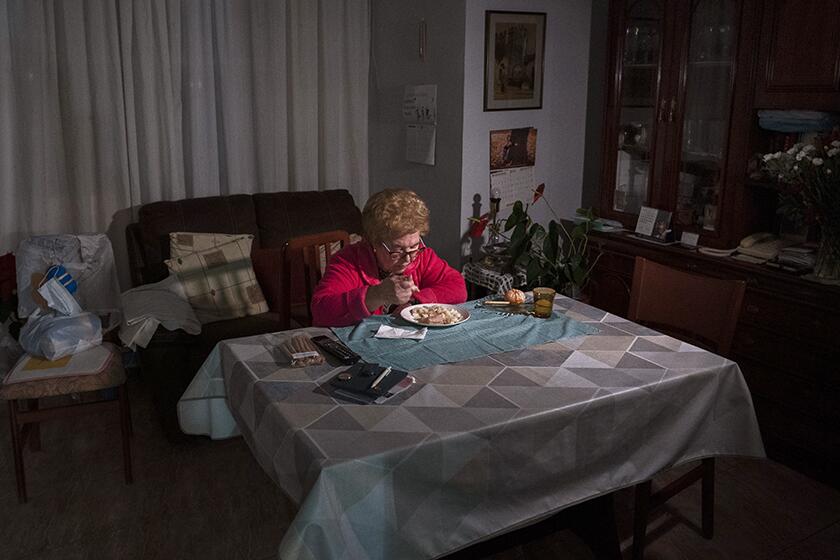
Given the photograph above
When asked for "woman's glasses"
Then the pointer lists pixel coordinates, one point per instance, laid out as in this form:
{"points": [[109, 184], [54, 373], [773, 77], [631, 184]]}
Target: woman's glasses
{"points": [[397, 256]]}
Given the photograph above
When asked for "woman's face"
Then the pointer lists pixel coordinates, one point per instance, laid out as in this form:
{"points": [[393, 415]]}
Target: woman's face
{"points": [[394, 256]]}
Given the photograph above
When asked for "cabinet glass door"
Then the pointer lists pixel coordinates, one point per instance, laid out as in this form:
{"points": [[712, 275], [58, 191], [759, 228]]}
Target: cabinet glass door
{"points": [[641, 58], [707, 103]]}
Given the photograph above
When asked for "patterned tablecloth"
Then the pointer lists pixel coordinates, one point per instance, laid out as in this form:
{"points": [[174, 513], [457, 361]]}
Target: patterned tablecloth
{"points": [[479, 447]]}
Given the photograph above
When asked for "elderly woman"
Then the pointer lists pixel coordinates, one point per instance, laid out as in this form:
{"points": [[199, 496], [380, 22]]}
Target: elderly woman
{"points": [[390, 269]]}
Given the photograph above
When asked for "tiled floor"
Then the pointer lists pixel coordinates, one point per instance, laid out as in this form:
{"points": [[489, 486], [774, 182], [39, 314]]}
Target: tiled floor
{"points": [[210, 499]]}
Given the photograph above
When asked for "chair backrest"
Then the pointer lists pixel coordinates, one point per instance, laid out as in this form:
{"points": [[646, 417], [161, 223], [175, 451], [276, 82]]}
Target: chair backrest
{"points": [[698, 309], [308, 256]]}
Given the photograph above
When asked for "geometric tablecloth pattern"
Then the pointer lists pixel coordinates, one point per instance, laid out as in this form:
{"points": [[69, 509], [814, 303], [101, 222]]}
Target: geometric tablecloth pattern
{"points": [[476, 448]]}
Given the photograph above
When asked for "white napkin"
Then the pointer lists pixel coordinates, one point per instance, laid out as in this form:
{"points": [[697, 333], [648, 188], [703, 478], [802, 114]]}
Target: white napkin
{"points": [[395, 332]]}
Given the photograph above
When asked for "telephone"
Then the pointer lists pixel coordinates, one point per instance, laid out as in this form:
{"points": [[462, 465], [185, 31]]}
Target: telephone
{"points": [[761, 247], [754, 238]]}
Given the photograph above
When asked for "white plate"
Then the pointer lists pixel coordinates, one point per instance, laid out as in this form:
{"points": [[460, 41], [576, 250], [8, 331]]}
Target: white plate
{"points": [[406, 314]]}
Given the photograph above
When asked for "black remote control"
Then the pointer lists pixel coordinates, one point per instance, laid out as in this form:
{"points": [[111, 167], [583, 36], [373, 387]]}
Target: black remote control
{"points": [[337, 349]]}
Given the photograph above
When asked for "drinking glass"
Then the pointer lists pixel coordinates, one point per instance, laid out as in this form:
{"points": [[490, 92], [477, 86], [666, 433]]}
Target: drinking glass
{"points": [[543, 302]]}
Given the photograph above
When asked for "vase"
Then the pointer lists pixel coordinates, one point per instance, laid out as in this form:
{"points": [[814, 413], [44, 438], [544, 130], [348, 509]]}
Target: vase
{"points": [[827, 266]]}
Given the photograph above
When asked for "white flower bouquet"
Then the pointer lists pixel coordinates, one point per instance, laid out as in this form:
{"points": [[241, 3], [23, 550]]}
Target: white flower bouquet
{"points": [[810, 179]]}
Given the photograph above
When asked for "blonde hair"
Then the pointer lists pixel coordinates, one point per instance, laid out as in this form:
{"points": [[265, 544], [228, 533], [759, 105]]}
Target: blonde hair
{"points": [[392, 213]]}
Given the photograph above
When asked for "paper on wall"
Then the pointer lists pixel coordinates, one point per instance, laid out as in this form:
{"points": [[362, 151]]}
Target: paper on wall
{"points": [[514, 184], [420, 143], [420, 104]]}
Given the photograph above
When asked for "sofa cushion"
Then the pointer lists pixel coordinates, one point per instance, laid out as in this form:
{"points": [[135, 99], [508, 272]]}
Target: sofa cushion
{"points": [[217, 214], [219, 281], [182, 243], [284, 215]]}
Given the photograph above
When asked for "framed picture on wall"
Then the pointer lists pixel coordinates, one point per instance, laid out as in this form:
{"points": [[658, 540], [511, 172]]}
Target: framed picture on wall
{"points": [[514, 46]]}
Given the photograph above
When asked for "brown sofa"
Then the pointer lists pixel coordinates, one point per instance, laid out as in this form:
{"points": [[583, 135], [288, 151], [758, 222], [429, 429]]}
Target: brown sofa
{"points": [[172, 358]]}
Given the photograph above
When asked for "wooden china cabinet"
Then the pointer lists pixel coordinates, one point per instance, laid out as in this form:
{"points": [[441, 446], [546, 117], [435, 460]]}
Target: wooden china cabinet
{"points": [[686, 81]]}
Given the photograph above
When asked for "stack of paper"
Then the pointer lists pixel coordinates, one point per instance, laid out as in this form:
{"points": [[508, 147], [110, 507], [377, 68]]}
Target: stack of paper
{"points": [[799, 258]]}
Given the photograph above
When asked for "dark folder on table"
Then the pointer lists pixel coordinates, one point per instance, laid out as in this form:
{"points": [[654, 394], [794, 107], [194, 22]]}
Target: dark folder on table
{"points": [[358, 386]]}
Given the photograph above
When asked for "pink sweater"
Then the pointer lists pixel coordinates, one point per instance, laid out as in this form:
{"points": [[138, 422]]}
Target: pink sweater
{"points": [[339, 299]]}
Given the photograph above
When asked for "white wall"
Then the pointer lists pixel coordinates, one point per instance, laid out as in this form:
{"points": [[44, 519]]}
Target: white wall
{"points": [[455, 62], [561, 122], [396, 64]]}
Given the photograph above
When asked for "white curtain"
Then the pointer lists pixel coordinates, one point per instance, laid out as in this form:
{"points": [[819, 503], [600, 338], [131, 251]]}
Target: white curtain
{"points": [[62, 135], [106, 105]]}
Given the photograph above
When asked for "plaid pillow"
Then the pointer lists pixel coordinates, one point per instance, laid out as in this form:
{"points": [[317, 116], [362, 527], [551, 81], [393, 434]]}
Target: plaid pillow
{"points": [[182, 243], [219, 279]]}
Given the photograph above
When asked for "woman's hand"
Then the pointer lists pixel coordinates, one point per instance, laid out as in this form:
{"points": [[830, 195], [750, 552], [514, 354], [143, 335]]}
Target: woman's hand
{"points": [[393, 290]]}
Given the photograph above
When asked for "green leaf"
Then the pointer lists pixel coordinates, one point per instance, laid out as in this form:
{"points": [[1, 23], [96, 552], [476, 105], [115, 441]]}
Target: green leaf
{"points": [[587, 213], [517, 216], [533, 271], [518, 241], [551, 245], [536, 230]]}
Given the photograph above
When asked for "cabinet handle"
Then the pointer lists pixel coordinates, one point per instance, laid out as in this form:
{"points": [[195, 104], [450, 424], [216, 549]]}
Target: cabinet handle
{"points": [[661, 116], [673, 109], [752, 309]]}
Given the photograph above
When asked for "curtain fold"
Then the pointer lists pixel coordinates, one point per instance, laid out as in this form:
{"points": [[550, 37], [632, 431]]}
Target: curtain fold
{"points": [[62, 136], [106, 105]]}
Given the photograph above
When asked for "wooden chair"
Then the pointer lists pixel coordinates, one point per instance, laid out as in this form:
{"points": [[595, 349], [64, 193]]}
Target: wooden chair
{"points": [[699, 310], [24, 421], [306, 258]]}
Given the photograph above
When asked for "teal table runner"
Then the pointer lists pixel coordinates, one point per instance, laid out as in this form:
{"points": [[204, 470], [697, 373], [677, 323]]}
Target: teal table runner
{"points": [[486, 332]]}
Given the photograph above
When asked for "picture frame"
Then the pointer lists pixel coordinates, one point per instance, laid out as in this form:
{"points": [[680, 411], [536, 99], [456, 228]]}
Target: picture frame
{"points": [[514, 49]]}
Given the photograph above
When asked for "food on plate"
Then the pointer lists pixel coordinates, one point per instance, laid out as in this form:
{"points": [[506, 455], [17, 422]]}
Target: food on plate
{"points": [[515, 296], [435, 315]]}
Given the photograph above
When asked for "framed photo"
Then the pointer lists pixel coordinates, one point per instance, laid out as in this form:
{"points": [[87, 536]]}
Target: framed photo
{"points": [[514, 46], [654, 225]]}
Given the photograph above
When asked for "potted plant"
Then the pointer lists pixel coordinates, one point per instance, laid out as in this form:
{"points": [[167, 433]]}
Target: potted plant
{"points": [[557, 256]]}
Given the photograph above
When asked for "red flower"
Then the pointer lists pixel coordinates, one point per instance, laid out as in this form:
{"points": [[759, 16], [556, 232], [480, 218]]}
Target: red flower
{"points": [[538, 192], [478, 225]]}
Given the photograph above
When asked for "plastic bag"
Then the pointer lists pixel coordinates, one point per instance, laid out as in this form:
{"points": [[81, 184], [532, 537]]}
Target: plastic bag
{"points": [[302, 351], [54, 336], [58, 298], [89, 259]]}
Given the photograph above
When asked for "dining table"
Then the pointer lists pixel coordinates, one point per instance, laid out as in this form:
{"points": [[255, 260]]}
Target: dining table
{"points": [[475, 447]]}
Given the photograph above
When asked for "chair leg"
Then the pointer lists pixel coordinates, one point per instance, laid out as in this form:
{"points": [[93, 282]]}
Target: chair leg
{"points": [[17, 450], [708, 497], [125, 421], [640, 518], [35, 429], [128, 412]]}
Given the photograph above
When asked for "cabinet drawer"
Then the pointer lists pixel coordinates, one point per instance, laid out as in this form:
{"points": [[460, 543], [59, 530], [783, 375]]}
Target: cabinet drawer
{"points": [[616, 262], [791, 319], [781, 423], [783, 353], [802, 395], [830, 406]]}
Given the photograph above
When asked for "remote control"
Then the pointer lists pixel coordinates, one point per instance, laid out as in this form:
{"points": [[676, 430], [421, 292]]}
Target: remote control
{"points": [[337, 349]]}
